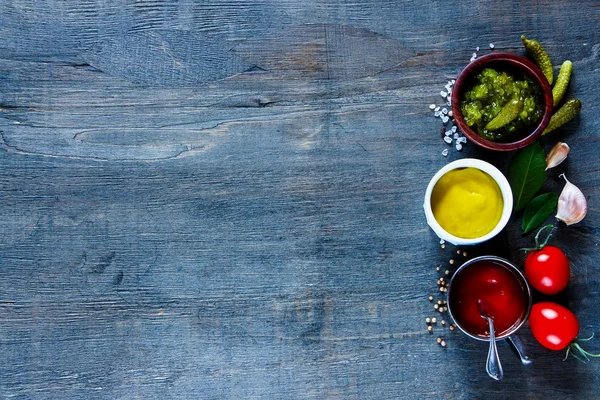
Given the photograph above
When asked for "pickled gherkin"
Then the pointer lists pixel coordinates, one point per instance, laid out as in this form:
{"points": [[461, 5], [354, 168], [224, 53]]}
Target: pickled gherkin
{"points": [[509, 112], [490, 93], [564, 114], [541, 58], [559, 89]]}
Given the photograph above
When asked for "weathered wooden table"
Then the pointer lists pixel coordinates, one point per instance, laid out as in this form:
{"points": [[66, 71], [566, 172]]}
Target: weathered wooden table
{"points": [[224, 199]]}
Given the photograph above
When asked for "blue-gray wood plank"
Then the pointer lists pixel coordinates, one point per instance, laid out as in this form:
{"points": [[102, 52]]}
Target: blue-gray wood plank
{"points": [[224, 199]]}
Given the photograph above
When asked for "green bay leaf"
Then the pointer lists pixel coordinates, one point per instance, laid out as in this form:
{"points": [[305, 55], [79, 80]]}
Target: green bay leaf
{"points": [[538, 211], [526, 174]]}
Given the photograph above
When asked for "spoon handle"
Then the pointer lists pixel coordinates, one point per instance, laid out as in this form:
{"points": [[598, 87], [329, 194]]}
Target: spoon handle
{"points": [[515, 343], [493, 366]]}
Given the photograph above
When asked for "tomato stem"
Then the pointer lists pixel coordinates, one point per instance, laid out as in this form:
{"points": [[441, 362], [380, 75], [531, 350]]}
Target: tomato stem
{"points": [[587, 339], [539, 245], [537, 236], [575, 350]]}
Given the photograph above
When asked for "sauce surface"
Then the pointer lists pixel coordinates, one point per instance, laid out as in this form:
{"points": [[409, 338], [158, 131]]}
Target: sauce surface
{"points": [[467, 203], [497, 288], [490, 91]]}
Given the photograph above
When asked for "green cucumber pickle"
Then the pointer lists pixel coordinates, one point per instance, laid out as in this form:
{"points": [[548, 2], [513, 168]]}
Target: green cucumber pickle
{"points": [[487, 96]]}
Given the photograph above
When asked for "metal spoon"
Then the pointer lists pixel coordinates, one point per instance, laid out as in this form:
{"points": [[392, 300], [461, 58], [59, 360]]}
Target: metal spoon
{"points": [[492, 366], [517, 346]]}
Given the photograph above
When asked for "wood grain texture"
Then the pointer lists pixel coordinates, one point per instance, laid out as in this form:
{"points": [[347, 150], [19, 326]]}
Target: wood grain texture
{"points": [[224, 199]]}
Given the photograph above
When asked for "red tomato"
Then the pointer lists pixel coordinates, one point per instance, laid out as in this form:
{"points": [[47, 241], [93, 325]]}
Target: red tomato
{"points": [[553, 325], [547, 270]]}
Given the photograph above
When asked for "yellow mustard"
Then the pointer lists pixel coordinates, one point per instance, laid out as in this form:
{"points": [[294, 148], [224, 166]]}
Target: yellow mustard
{"points": [[467, 203]]}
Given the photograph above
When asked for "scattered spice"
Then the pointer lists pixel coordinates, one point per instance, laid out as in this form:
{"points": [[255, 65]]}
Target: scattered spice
{"points": [[428, 320], [443, 343], [434, 320], [451, 261], [447, 117], [430, 329], [439, 339], [430, 298]]}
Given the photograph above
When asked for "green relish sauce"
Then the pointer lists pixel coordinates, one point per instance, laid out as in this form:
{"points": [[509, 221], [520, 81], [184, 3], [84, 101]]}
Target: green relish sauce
{"points": [[489, 92]]}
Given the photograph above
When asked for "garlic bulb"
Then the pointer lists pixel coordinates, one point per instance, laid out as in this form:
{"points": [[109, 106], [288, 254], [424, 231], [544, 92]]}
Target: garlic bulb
{"points": [[572, 205], [557, 155]]}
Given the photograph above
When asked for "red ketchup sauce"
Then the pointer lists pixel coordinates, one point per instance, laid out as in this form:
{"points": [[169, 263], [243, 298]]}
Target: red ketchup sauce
{"points": [[500, 291]]}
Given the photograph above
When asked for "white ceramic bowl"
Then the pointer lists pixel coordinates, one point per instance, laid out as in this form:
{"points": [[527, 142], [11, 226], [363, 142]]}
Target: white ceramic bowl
{"points": [[504, 189]]}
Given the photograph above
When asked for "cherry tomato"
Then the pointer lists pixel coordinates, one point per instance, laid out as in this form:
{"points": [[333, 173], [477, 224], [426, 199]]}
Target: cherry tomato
{"points": [[547, 270], [553, 325]]}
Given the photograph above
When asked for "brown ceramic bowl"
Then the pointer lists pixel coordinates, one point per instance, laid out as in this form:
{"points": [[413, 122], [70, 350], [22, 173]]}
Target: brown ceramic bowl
{"points": [[502, 61]]}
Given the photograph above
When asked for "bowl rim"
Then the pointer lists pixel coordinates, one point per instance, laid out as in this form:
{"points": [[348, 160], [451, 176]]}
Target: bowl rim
{"points": [[520, 275], [523, 64], [498, 177]]}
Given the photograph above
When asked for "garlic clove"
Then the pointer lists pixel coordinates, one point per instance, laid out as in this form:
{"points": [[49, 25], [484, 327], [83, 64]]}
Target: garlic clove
{"points": [[557, 155], [572, 205]]}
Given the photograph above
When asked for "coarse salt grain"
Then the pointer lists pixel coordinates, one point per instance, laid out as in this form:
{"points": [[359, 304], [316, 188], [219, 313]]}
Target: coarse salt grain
{"points": [[437, 113], [454, 128], [437, 109], [448, 139], [458, 146], [444, 111], [445, 119], [492, 45], [477, 48], [445, 152], [455, 136], [448, 133], [443, 94], [432, 106]]}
